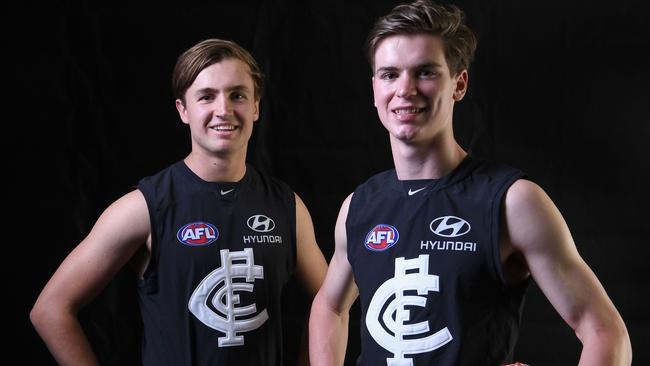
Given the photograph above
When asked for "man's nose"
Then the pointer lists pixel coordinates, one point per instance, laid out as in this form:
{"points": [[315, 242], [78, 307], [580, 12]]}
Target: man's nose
{"points": [[223, 106], [406, 87]]}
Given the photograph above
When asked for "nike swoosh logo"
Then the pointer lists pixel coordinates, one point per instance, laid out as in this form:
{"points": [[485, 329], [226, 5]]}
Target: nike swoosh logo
{"points": [[226, 192], [412, 192]]}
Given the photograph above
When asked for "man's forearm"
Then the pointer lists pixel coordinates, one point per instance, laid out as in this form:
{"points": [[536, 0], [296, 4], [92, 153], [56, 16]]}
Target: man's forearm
{"points": [[65, 338], [328, 335]]}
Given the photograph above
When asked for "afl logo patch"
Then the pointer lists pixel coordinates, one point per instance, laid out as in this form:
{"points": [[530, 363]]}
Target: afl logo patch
{"points": [[381, 237], [449, 226], [197, 234]]}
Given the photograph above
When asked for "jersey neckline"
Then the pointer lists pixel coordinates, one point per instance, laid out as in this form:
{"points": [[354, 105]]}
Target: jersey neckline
{"points": [[225, 190], [417, 187]]}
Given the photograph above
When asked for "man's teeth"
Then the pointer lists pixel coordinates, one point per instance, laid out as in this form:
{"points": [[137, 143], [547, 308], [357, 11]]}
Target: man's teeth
{"points": [[224, 128], [407, 110]]}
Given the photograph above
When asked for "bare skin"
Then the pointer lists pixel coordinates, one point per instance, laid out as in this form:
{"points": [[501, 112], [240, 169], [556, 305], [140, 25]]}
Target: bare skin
{"points": [[220, 108], [414, 96]]}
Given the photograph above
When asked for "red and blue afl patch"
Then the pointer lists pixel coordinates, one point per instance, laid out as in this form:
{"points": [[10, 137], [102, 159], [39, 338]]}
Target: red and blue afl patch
{"points": [[197, 234], [381, 237]]}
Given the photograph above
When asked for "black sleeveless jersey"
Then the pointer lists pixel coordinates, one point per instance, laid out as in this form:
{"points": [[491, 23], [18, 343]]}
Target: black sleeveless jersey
{"points": [[221, 253], [425, 257]]}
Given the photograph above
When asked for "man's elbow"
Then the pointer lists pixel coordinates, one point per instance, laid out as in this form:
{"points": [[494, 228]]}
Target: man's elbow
{"points": [[612, 341], [619, 344], [317, 306], [625, 345], [619, 336], [47, 314], [38, 316]]}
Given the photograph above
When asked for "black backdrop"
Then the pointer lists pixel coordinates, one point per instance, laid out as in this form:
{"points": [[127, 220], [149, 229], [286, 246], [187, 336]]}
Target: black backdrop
{"points": [[558, 89]]}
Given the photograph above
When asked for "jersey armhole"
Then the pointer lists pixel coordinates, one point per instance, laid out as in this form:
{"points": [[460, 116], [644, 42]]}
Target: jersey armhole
{"points": [[497, 204], [294, 233], [348, 224], [148, 281]]}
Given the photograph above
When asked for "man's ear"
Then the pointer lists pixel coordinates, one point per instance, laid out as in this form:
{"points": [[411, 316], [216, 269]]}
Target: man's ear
{"points": [[256, 113], [374, 102], [182, 111], [462, 80]]}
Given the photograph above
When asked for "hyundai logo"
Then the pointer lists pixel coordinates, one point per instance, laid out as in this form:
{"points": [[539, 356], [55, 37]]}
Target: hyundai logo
{"points": [[449, 226], [260, 223]]}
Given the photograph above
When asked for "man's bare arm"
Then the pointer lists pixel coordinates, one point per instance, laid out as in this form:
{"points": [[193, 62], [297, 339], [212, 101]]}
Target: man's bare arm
{"points": [[311, 266], [535, 228], [328, 324], [118, 233]]}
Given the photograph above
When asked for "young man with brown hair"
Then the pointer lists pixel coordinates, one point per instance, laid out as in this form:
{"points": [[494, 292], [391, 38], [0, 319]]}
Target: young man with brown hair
{"points": [[441, 248], [213, 240]]}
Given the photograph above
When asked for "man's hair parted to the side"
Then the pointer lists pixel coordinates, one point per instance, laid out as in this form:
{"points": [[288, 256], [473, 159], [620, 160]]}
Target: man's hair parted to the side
{"points": [[206, 53], [426, 17]]}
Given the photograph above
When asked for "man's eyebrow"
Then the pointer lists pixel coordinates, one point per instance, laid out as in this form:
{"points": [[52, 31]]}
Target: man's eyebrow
{"points": [[425, 65], [238, 87], [205, 91], [208, 90], [385, 68]]}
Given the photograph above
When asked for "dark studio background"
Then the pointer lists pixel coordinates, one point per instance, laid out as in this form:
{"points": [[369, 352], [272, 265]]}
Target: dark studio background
{"points": [[558, 89]]}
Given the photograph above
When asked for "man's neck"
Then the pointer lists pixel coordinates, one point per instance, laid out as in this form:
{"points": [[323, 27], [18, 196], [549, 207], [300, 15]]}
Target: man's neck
{"points": [[431, 161], [216, 168]]}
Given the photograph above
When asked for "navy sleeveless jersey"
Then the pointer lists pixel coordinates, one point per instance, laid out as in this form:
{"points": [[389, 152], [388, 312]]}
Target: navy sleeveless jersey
{"points": [[221, 254], [425, 257]]}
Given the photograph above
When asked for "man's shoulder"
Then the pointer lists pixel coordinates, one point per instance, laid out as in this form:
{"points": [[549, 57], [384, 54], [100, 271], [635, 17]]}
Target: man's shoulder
{"points": [[268, 182], [379, 180], [491, 172], [159, 173], [488, 166], [375, 186]]}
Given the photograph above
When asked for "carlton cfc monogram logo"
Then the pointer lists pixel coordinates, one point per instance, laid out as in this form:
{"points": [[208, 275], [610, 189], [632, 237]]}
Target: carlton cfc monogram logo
{"points": [[403, 336], [230, 317]]}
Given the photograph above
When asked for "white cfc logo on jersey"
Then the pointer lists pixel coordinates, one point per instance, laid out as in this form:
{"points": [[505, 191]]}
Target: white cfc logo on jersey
{"points": [[396, 317], [228, 318]]}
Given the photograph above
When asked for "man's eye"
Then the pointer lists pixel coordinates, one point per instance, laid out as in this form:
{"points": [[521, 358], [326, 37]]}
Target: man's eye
{"points": [[206, 97], [427, 74], [388, 76], [238, 96]]}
